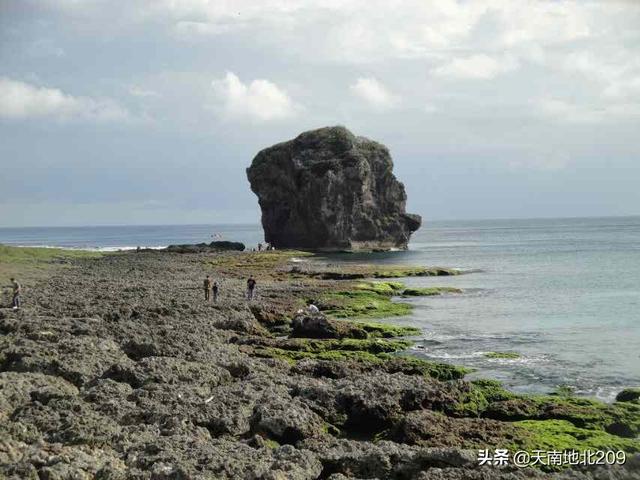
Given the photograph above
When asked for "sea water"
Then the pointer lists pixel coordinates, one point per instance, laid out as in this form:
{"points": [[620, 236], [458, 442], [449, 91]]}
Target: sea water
{"points": [[564, 294]]}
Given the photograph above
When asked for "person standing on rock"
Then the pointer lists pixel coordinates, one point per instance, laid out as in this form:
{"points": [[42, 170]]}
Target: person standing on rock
{"points": [[251, 286], [207, 288], [215, 292], [17, 290]]}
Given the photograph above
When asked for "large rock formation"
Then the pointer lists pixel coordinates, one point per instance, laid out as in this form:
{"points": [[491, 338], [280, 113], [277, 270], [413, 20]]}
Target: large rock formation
{"points": [[330, 190]]}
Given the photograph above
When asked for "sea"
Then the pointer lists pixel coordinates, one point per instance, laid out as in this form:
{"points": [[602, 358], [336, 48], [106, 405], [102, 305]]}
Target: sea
{"points": [[563, 294]]}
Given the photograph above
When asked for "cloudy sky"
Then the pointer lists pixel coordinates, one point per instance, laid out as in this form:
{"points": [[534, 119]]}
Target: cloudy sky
{"points": [[149, 111]]}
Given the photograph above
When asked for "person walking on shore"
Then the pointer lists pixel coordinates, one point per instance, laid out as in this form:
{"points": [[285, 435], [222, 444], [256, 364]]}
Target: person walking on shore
{"points": [[17, 290], [207, 288], [215, 292], [251, 286]]}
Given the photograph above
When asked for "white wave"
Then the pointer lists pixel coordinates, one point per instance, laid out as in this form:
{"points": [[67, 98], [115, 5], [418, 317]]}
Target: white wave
{"points": [[450, 356]]}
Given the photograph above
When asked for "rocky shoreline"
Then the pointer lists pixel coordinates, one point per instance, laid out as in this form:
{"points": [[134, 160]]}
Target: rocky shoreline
{"points": [[118, 369]]}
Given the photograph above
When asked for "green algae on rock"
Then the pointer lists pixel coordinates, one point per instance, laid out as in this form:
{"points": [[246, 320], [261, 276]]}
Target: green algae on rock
{"points": [[429, 291], [367, 355], [381, 288], [562, 435], [361, 304], [502, 355], [298, 349], [386, 330]]}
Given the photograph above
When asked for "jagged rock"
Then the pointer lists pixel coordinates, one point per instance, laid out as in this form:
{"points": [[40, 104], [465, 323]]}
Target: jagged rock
{"points": [[330, 190], [309, 325], [286, 420]]}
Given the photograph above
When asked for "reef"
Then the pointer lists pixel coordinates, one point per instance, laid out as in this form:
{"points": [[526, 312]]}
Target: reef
{"points": [[117, 368]]}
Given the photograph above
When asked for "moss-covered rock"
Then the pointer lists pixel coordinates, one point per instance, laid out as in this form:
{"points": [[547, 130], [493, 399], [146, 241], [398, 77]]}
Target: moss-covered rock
{"points": [[386, 330], [475, 397], [367, 354], [429, 291], [355, 272], [417, 366], [361, 304], [298, 349], [621, 419], [382, 288], [561, 435], [399, 272], [502, 355]]}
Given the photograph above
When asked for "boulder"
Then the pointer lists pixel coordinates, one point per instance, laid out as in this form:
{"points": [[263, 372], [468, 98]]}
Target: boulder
{"points": [[629, 395], [316, 325], [328, 189]]}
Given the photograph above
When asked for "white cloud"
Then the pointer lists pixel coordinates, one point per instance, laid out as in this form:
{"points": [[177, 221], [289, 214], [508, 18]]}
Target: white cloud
{"points": [[19, 100], [188, 29], [260, 100], [477, 67], [593, 112], [374, 93], [619, 76]]}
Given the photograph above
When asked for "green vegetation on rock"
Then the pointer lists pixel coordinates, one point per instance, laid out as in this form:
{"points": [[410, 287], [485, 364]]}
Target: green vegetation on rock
{"points": [[503, 355], [354, 272], [429, 291], [367, 354], [560, 435], [361, 304], [381, 288], [264, 263], [440, 371], [488, 399], [350, 348], [476, 397], [400, 271], [386, 330], [28, 262]]}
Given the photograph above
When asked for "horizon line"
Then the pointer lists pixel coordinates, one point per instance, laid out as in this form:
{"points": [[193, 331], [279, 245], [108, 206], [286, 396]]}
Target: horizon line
{"points": [[258, 224]]}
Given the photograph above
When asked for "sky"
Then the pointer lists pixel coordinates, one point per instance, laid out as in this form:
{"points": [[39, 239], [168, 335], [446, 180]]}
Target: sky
{"points": [[149, 111]]}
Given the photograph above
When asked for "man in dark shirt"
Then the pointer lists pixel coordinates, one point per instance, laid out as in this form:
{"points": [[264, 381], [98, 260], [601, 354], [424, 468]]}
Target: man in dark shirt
{"points": [[251, 286], [17, 290], [215, 292], [207, 288]]}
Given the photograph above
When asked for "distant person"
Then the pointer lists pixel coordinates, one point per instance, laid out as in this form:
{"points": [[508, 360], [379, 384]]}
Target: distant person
{"points": [[251, 286], [207, 288], [215, 292], [17, 290], [259, 247]]}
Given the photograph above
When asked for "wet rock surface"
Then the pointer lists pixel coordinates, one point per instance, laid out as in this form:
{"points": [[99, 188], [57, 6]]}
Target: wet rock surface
{"points": [[118, 369], [329, 189]]}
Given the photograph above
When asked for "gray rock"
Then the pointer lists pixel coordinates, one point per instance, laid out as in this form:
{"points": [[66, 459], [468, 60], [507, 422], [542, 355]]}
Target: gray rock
{"points": [[316, 325], [330, 190], [628, 395]]}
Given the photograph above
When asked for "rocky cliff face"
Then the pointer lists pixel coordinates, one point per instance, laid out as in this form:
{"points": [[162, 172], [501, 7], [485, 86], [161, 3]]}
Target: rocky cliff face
{"points": [[330, 190]]}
